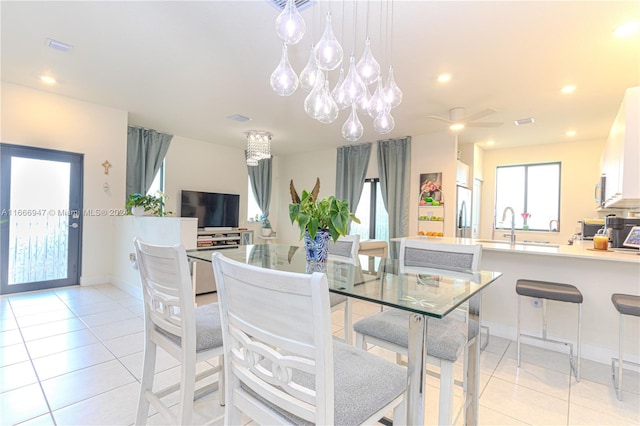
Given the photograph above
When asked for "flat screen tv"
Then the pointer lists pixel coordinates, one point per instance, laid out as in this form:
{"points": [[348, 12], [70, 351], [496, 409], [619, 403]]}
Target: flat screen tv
{"points": [[213, 210]]}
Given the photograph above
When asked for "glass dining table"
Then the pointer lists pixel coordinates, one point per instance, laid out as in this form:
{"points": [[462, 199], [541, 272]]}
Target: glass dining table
{"points": [[425, 293]]}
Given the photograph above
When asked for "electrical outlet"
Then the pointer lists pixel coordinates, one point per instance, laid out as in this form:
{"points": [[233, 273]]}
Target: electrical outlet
{"points": [[536, 303]]}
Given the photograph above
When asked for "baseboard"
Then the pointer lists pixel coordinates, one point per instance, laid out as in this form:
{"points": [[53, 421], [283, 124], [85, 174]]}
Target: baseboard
{"points": [[95, 280]]}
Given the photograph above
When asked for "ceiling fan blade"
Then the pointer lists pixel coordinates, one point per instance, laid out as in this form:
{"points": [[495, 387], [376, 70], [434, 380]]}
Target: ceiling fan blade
{"points": [[480, 114], [474, 124], [435, 117]]}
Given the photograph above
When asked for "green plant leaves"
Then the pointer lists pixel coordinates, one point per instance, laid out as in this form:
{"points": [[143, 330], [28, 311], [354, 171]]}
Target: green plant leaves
{"points": [[328, 213]]}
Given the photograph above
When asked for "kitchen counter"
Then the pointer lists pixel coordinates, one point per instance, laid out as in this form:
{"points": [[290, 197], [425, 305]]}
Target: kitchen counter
{"points": [[597, 274], [579, 249]]}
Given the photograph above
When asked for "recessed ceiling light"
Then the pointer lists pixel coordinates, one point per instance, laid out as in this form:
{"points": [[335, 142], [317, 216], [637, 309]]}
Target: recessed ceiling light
{"points": [[524, 121], [444, 78], [456, 126], [47, 79], [568, 89], [570, 133], [627, 30], [491, 142]]}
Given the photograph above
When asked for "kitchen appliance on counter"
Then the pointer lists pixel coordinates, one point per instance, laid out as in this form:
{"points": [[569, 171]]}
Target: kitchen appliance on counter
{"points": [[589, 227], [618, 228]]}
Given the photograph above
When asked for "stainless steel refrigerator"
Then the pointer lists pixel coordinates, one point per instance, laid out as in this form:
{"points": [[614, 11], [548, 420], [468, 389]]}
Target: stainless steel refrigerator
{"points": [[463, 212]]}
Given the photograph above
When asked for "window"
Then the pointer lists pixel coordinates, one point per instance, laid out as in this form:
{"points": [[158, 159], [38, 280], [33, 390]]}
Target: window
{"points": [[374, 220], [158, 182], [528, 188], [254, 213]]}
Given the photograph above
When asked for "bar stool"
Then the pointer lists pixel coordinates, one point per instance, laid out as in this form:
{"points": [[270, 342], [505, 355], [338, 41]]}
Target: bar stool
{"points": [[551, 291], [626, 304]]}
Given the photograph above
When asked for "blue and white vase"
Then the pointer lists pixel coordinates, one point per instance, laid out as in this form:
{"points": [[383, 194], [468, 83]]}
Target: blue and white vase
{"points": [[317, 249]]}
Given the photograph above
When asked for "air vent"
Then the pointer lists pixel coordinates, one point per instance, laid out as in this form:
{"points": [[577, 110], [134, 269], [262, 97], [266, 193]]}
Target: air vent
{"points": [[300, 4], [524, 121], [58, 45], [239, 118]]}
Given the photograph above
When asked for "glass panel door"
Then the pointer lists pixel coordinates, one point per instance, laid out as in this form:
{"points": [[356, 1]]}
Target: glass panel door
{"points": [[40, 218]]}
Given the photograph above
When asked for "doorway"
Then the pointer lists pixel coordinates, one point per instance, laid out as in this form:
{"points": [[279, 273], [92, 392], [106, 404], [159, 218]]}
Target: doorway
{"points": [[40, 218]]}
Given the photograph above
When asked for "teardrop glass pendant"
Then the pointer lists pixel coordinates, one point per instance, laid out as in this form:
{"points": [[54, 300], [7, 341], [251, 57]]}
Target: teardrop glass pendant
{"points": [[363, 103], [393, 92], [284, 80], [352, 129], [353, 84], [328, 49], [384, 122], [338, 93], [314, 102], [368, 68], [308, 73], [331, 109], [378, 102], [290, 25]]}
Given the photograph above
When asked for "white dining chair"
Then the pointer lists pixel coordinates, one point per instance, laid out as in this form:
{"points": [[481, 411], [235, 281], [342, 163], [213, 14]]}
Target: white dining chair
{"points": [[173, 324], [345, 249], [446, 337], [282, 365]]}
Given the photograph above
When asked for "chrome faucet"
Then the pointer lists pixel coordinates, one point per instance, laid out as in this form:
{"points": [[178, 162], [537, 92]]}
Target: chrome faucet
{"points": [[551, 228], [512, 235]]}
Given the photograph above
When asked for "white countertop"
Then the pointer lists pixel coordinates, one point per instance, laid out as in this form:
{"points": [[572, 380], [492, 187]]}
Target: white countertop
{"points": [[579, 249]]}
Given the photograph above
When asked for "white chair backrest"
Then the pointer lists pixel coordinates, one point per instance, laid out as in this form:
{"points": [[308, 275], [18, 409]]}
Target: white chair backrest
{"points": [[276, 326], [345, 246], [428, 254], [167, 291]]}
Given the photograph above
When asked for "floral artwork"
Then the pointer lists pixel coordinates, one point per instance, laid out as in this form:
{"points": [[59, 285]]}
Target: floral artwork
{"points": [[431, 189]]}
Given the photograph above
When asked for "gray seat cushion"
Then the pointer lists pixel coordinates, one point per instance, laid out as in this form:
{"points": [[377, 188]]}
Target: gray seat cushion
{"points": [[446, 337], [363, 383], [549, 290], [626, 304], [336, 299], [340, 248], [208, 328]]}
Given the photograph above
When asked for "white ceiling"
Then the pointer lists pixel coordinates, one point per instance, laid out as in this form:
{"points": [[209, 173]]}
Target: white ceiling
{"points": [[184, 67]]}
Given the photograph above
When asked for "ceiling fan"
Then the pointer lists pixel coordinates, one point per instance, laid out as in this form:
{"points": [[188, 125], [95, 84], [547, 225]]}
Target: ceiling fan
{"points": [[458, 121]]}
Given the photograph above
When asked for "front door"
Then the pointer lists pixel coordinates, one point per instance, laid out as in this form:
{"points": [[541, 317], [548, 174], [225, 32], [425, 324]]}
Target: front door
{"points": [[40, 218]]}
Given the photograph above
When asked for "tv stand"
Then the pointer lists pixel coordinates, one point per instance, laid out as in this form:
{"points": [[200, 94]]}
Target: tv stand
{"points": [[202, 274]]}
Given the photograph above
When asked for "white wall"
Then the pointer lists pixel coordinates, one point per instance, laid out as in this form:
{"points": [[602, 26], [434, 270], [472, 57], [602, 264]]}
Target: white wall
{"points": [[434, 153], [580, 172], [40, 119]]}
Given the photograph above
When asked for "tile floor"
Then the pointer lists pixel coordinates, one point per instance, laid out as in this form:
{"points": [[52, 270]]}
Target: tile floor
{"points": [[73, 356]]}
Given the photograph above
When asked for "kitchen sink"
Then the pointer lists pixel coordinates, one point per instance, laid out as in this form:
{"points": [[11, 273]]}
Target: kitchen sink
{"points": [[522, 243]]}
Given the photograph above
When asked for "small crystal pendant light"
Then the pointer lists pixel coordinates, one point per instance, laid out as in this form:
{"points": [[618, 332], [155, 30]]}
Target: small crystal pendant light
{"points": [[314, 103], [368, 68], [308, 73], [331, 109], [378, 102], [290, 25], [353, 84], [393, 92], [328, 49], [338, 93], [384, 122], [352, 129], [284, 80]]}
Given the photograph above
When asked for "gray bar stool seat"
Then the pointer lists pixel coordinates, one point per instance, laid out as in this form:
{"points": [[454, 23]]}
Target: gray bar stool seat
{"points": [[557, 292], [625, 304]]}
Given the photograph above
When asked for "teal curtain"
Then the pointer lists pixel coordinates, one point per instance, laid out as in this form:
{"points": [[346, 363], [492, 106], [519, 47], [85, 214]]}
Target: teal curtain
{"points": [[394, 167], [146, 150], [351, 169], [260, 178]]}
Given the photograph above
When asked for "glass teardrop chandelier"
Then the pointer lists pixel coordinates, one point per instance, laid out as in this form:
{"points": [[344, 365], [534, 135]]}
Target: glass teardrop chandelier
{"points": [[284, 80], [290, 25]]}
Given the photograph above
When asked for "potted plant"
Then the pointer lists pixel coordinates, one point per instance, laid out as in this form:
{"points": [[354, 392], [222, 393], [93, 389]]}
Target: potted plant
{"points": [[319, 220], [139, 204], [266, 227]]}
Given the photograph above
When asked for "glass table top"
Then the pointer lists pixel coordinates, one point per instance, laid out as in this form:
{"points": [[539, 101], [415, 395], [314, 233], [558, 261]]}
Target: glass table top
{"points": [[432, 292]]}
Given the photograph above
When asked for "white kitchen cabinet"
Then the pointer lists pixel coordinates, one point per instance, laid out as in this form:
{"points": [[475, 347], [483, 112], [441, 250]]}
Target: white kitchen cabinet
{"points": [[622, 153], [462, 174]]}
